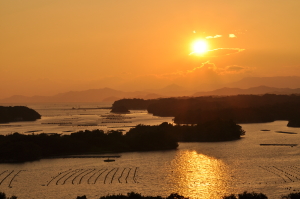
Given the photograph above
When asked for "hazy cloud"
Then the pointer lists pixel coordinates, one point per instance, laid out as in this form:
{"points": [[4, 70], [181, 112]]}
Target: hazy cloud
{"points": [[204, 66], [222, 51], [206, 75], [213, 37], [234, 69], [204, 69], [218, 36]]}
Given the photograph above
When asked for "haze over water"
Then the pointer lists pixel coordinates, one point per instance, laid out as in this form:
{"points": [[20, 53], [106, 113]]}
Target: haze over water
{"points": [[195, 170]]}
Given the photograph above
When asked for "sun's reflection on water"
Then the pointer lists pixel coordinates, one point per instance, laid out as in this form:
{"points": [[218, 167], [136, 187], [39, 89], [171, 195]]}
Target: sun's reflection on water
{"points": [[198, 176]]}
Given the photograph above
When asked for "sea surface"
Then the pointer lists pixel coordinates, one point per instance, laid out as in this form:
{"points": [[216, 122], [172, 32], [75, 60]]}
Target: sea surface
{"points": [[207, 170]]}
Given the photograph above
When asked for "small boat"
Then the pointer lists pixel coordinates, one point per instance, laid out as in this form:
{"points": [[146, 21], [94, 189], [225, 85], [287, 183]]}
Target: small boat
{"points": [[109, 160]]}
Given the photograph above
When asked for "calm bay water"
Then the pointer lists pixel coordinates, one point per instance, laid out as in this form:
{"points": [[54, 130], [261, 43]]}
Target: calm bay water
{"points": [[195, 170]]}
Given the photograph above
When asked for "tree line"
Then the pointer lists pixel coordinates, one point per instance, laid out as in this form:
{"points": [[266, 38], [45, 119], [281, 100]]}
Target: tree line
{"points": [[133, 195], [18, 147], [239, 108]]}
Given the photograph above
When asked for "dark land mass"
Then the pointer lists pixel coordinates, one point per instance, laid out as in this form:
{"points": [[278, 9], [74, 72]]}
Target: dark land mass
{"points": [[133, 195], [244, 195], [260, 90], [239, 108], [212, 131], [120, 109], [20, 148], [17, 113], [277, 81], [294, 122], [135, 103]]}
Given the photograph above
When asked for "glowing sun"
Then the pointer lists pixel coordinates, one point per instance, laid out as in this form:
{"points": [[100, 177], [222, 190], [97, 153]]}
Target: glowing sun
{"points": [[199, 47]]}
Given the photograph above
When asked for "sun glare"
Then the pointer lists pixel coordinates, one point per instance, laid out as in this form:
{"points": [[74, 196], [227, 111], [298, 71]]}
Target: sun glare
{"points": [[199, 47]]}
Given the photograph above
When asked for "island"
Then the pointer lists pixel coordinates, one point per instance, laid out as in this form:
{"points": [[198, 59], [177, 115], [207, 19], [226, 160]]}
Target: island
{"points": [[211, 131], [119, 109], [239, 108], [134, 104], [18, 147], [17, 113]]}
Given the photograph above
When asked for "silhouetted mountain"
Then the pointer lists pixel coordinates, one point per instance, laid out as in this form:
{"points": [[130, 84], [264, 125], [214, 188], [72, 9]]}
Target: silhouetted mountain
{"points": [[92, 95], [153, 96], [99, 95], [172, 90], [111, 99], [278, 82], [25, 99], [250, 85], [255, 91]]}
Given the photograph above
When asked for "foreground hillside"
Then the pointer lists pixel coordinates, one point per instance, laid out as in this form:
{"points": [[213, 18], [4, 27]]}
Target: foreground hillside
{"points": [[133, 195]]}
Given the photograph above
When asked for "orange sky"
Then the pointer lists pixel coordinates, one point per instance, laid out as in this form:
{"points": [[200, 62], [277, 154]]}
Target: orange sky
{"points": [[53, 46]]}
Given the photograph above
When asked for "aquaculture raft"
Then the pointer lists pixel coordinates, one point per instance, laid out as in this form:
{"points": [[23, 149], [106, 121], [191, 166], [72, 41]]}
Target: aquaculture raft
{"points": [[89, 156], [279, 145]]}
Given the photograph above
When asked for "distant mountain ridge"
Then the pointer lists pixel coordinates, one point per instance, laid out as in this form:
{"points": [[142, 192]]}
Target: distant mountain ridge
{"points": [[173, 90], [254, 91], [249, 85], [277, 82], [92, 95]]}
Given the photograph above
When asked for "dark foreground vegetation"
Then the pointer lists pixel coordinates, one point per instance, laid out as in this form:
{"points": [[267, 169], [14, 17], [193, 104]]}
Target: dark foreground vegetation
{"points": [[17, 113], [240, 108], [244, 195], [19, 147], [132, 195], [3, 196]]}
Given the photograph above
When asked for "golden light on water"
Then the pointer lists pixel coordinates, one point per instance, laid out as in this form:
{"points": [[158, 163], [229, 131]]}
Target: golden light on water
{"points": [[199, 176]]}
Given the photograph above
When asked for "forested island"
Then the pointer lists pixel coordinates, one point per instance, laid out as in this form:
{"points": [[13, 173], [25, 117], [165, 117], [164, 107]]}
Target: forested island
{"points": [[17, 113], [239, 108], [211, 131], [18, 147], [134, 104], [120, 109]]}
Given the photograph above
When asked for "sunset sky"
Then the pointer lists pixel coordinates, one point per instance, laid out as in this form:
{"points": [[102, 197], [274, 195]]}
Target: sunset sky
{"points": [[52, 46]]}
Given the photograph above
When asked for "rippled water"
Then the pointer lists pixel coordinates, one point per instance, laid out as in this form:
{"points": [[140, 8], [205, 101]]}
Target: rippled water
{"points": [[196, 170]]}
